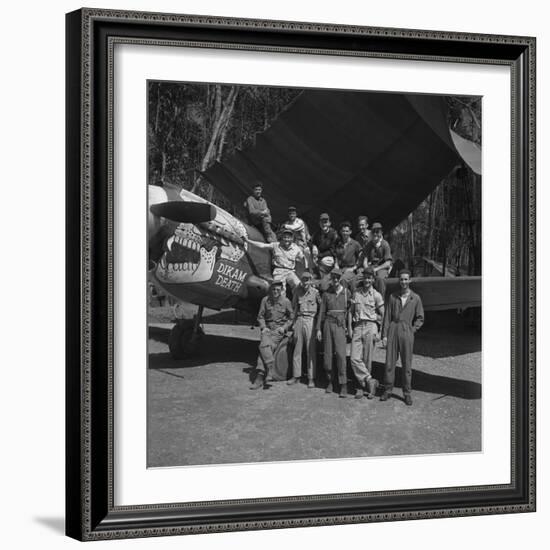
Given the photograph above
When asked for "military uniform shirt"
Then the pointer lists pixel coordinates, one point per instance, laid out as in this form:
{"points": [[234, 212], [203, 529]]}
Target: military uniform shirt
{"points": [[306, 303], [275, 314], [254, 207], [365, 306], [377, 255], [338, 303], [286, 258], [348, 253]]}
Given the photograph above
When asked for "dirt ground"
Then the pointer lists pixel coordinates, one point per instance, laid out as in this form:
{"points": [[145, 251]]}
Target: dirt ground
{"points": [[201, 411]]}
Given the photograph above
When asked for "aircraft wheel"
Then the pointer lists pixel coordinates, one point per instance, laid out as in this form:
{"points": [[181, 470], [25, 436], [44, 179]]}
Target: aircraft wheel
{"points": [[183, 343]]}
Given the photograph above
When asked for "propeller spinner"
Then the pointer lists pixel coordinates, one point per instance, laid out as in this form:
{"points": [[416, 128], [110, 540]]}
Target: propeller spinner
{"points": [[184, 211]]}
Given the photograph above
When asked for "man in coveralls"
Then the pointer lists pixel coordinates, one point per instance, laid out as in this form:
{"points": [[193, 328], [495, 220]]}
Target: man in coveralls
{"points": [[275, 318], [332, 317], [305, 304], [366, 314], [404, 316]]}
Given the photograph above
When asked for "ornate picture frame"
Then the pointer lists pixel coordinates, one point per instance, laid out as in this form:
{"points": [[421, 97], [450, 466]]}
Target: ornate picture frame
{"points": [[90, 505]]}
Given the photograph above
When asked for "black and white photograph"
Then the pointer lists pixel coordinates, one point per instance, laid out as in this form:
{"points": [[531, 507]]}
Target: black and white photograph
{"points": [[314, 274]]}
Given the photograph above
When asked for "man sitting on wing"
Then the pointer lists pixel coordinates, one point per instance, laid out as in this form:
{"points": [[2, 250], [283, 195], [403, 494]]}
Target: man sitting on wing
{"points": [[284, 255], [258, 213], [364, 235], [348, 251], [377, 254], [300, 232], [323, 245]]}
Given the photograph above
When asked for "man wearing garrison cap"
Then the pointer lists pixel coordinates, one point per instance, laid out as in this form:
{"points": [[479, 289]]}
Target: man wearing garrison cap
{"points": [[275, 318]]}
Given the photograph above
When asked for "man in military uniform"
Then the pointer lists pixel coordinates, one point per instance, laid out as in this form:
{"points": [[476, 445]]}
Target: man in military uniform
{"points": [[377, 254], [258, 213], [332, 318], [364, 317], [305, 304], [275, 318], [404, 316]]}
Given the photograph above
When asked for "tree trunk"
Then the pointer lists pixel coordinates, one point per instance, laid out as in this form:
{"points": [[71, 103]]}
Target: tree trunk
{"points": [[220, 123], [163, 169]]}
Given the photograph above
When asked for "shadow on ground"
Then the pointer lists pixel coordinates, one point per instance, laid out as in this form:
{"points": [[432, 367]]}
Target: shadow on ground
{"points": [[434, 383], [446, 334], [215, 349]]}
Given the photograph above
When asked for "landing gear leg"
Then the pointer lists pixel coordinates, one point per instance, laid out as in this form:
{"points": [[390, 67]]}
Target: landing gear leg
{"points": [[186, 337]]}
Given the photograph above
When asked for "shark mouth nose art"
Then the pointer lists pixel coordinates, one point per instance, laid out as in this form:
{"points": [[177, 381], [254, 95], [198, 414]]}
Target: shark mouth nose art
{"points": [[189, 256]]}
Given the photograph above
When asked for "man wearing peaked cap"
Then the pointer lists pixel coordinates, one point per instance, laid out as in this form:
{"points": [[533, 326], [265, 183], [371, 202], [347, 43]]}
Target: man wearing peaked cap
{"points": [[332, 321], [305, 304]]}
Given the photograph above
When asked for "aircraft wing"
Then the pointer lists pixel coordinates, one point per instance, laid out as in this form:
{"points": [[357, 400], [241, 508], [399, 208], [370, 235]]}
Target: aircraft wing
{"points": [[440, 293], [346, 153]]}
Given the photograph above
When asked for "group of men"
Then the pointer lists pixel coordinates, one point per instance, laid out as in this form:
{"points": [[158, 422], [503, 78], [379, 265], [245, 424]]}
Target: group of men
{"points": [[326, 250], [349, 302]]}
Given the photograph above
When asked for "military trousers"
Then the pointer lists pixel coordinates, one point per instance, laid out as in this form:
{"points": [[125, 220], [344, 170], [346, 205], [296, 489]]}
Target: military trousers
{"points": [[304, 336], [380, 281], [362, 350], [269, 340], [286, 275], [334, 343], [400, 343]]}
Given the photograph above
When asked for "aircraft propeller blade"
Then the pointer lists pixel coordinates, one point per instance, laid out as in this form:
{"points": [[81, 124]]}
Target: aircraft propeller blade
{"points": [[184, 211]]}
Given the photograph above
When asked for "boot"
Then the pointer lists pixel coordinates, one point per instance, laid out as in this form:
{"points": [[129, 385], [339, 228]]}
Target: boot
{"points": [[259, 382], [408, 400], [373, 385], [310, 383], [359, 392], [329, 388], [385, 396], [343, 391], [292, 380]]}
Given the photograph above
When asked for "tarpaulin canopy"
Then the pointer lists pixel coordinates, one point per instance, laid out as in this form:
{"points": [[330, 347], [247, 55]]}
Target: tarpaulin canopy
{"points": [[346, 153]]}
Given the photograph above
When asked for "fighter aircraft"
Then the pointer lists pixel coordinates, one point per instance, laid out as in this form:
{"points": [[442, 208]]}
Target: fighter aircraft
{"points": [[346, 153]]}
